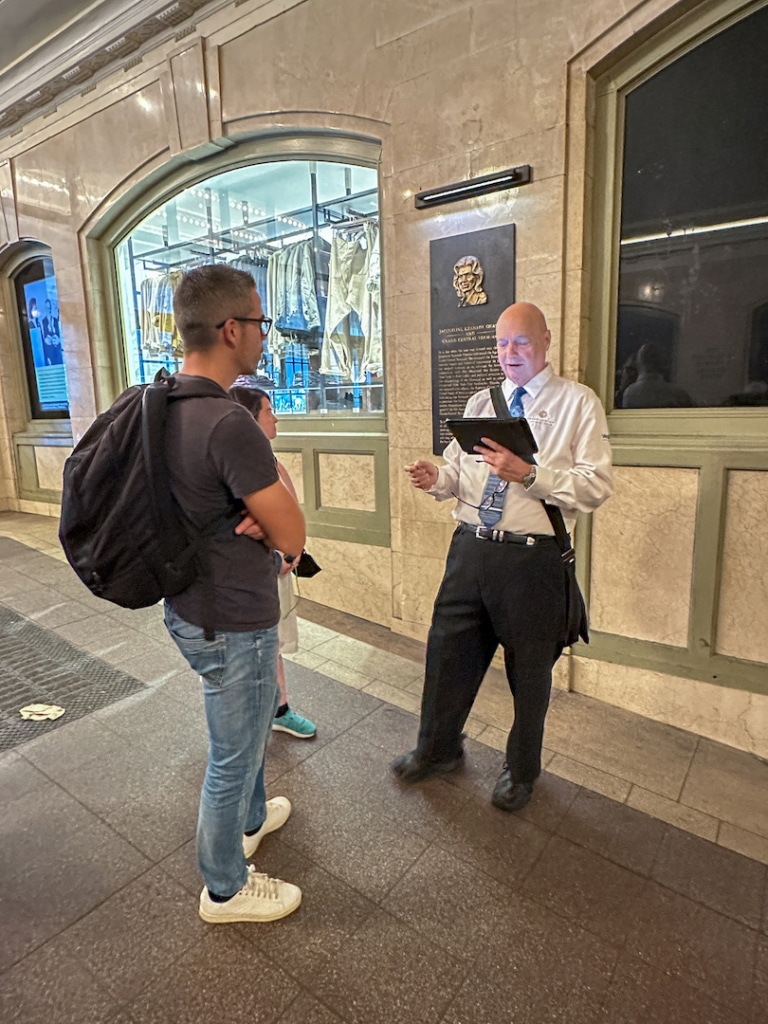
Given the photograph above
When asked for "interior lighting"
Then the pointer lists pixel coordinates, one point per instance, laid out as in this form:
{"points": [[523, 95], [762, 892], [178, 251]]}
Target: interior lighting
{"points": [[704, 229], [472, 187]]}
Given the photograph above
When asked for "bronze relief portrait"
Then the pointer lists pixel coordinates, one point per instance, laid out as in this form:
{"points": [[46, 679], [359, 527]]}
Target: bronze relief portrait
{"points": [[468, 281]]}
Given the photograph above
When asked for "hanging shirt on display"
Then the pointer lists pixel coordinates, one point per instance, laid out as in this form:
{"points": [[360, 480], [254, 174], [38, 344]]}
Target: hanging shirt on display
{"points": [[159, 336], [295, 294], [353, 287], [292, 289]]}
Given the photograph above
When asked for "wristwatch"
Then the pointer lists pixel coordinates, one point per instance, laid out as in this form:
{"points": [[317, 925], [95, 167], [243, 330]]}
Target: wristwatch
{"points": [[529, 477]]}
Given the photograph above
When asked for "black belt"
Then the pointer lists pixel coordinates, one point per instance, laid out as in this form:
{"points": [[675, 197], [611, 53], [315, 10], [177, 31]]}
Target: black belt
{"points": [[504, 536]]}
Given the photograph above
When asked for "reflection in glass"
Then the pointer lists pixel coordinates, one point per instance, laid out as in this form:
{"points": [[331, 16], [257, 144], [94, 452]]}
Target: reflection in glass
{"points": [[692, 328]]}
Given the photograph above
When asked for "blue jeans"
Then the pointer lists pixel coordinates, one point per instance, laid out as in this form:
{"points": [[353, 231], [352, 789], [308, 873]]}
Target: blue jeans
{"points": [[239, 675]]}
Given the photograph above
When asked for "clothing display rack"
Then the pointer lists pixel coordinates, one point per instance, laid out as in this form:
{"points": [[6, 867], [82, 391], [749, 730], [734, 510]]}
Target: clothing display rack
{"points": [[255, 241], [225, 241]]}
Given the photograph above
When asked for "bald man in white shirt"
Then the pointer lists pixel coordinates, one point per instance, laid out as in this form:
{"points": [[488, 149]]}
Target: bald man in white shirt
{"points": [[504, 580]]}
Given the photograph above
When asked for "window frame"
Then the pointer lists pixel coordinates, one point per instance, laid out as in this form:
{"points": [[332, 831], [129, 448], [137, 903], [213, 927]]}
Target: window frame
{"points": [[36, 411], [699, 425], [310, 435], [712, 441], [320, 146]]}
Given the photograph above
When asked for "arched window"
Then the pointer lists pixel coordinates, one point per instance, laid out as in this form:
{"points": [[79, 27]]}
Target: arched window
{"points": [[307, 230]]}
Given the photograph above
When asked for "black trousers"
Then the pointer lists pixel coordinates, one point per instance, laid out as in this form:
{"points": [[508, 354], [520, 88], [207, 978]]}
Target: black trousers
{"points": [[493, 594]]}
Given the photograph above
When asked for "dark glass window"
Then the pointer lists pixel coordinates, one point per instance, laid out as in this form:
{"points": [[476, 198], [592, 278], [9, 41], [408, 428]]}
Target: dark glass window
{"points": [[692, 324], [38, 304]]}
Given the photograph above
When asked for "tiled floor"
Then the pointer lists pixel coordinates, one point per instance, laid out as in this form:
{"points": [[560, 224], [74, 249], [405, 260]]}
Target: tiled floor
{"points": [[423, 904]]}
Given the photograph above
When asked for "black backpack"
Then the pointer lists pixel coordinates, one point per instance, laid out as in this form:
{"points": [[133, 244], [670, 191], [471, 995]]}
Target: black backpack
{"points": [[120, 527]]}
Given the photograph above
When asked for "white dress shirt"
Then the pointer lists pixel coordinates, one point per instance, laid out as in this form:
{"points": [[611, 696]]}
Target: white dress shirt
{"points": [[573, 461]]}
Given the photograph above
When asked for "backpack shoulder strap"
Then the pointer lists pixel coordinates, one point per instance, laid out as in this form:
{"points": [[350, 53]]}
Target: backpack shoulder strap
{"points": [[154, 415]]}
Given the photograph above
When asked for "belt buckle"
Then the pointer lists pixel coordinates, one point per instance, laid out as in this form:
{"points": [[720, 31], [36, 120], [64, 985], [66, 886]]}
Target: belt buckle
{"points": [[530, 541], [479, 532]]}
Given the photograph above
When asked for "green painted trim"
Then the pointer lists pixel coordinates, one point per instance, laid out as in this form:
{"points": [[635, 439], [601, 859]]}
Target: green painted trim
{"points": [[717, 669], [353, 525], [627, 454], [321, 425], [707, 556], [40, 434], [358, 532]]}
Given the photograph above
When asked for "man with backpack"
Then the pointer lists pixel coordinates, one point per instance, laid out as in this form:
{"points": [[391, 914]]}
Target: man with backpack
{"points": [[225, 622]]}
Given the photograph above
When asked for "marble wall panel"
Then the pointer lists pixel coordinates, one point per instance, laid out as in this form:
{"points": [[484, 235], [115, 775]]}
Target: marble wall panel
{"points": [[347, 481], [356, 578], [421, 579], [190, 100], [742, 625], [642, 555], [406, 500], [408, 314], [294, 463], [410, 362], [430, 539], [9, 227], [50, 466], [455, 109], [544, 150], [394, 21], [730, 716], [68, 175], [308, 65], [415, 52], [411, 428]]}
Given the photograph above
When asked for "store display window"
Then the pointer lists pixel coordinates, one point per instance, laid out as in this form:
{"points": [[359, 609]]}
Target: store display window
{"points": [[38, 305], [308, 233]]}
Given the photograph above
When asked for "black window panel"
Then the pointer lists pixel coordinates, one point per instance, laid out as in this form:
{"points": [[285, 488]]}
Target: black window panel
{"points": [[696, 142], [692, 320]]}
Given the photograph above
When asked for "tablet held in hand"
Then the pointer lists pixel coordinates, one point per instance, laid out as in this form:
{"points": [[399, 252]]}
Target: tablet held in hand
{"points": [[514, 434]]}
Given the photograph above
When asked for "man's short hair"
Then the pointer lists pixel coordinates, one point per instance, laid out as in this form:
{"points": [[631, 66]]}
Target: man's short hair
{"points": [[207, 295]]}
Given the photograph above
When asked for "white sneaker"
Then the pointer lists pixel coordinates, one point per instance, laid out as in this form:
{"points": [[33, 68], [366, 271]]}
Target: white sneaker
{"points": [[261, 899], [278, 812]]}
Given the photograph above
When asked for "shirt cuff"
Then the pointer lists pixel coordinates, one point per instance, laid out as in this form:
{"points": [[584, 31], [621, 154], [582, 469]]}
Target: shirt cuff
{"points": [[543, 484]]}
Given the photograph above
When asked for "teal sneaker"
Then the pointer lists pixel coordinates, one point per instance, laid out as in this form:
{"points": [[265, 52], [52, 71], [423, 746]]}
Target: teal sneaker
{"points": [[295, 725]]}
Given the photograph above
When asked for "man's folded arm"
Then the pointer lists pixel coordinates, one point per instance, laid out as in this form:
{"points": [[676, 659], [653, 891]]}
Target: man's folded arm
{"points": [[278, 514]]}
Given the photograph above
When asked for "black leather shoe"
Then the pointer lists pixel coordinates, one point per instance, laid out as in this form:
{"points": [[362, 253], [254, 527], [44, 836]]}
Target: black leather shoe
{"points": [[413, 767], [509, 795]]}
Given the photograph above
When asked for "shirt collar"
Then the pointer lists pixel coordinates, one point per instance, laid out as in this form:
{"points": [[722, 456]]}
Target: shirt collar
{"points": [[532, 388]]}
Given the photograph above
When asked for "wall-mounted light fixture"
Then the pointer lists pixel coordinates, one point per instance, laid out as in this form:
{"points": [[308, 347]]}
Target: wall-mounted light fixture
{"points": [[474, 187]]}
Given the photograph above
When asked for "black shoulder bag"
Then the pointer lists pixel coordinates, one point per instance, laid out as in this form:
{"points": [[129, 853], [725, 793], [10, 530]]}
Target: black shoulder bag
{"points": [[576, 623]]}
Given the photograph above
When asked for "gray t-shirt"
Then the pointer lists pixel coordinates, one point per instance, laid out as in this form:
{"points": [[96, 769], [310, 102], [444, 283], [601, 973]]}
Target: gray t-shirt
{"points": [[216, 454]]}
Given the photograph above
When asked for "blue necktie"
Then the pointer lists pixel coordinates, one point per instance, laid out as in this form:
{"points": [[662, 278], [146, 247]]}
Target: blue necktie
{"points": [[491, 516]]}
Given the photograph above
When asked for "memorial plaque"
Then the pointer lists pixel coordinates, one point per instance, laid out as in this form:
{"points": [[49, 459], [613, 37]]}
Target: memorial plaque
{"points": [[472, 280]]}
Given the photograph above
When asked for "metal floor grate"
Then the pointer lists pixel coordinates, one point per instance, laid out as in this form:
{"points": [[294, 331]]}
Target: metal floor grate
{"points": [[39, 667]]}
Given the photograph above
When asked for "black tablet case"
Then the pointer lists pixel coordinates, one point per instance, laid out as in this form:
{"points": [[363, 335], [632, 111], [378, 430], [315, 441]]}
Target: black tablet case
{"points": [[513, 433]]}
